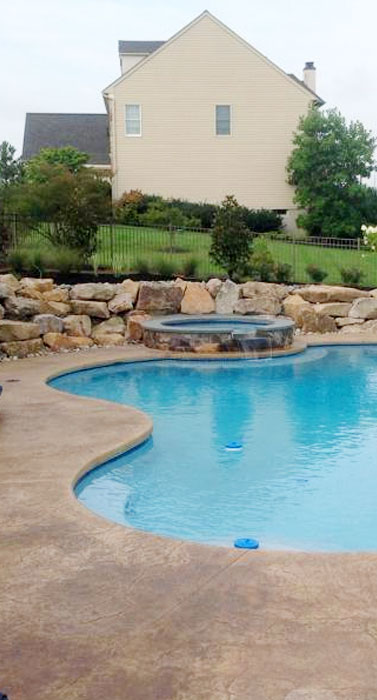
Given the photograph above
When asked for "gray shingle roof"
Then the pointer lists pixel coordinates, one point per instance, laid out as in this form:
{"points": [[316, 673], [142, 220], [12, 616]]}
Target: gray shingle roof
{"points": [[87, 132], [320, 101], [139, 47]]}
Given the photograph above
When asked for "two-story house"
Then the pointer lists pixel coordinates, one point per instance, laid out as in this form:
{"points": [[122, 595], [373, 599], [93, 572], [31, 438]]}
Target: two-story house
{"points": [[196, 117]]}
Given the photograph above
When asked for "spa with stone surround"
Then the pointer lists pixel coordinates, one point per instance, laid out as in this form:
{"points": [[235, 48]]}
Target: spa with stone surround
{"points": [[37, 316]]}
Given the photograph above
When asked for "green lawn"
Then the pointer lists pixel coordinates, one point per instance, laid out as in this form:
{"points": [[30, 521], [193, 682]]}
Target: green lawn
{"points": [[124, 249]]}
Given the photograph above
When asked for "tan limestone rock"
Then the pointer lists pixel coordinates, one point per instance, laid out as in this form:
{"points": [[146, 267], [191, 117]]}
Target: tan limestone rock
{"points": [[258, 305], [39, 284], [59, 341], [179, 282], [18, 330], [135, 328], [95, 309], [5, 291], [21, 308], [250, 290], [22, 348], [113, 325], [48, 323], [11, 281], [93, 291], [159, 298], [226, 297], [2, 312], [58, 294], [109, 339], [342, 322], [78, 325], [207, 348], [58, 308], [130, 287], [213, 285], [197, 300], [334, 308], [323, 293], [311, 322], [293, 305], [364, 308], [120, 303]]}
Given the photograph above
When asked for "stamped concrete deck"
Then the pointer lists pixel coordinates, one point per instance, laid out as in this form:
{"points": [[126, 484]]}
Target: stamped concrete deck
{"points": [[89, 609]]}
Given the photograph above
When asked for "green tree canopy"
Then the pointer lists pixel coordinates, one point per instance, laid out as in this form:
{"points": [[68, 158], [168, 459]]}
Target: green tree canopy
{"points": [[68, 157], [329, 160], [10, 167], [231, 239]]}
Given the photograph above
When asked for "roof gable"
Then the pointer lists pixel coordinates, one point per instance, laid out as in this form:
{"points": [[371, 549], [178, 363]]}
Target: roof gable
{"points": [[208, 15]]}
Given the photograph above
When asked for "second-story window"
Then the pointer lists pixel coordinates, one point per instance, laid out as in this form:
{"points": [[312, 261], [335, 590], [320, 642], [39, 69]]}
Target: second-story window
{"points": [[223, 120], [133, 120]]}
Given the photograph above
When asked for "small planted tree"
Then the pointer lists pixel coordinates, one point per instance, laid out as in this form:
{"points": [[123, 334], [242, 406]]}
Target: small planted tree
{"points": [[68, 157], [231, 239]]}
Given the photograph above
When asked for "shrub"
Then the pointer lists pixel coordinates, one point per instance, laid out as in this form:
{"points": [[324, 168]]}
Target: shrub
{"points": [[262, 220], [316, 273], [351, 275], [18, 259], [130, 206], [261, 264], [34, 261], [283, 273], [231, 240], [165, 268], [66, 260], [190, 267], [142, 267], [162, 213]]}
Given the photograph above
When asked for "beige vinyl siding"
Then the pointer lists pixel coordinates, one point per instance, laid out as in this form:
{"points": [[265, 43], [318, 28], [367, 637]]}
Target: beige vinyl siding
{"points": [[179, 154]]}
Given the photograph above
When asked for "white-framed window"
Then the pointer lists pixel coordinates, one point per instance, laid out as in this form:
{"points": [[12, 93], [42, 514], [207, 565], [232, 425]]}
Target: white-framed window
{"points": [[133, 120], [223, 118]]}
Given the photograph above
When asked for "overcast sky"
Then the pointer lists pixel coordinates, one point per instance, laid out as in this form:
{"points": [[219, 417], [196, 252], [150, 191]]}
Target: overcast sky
{"points": [[57, 55]]}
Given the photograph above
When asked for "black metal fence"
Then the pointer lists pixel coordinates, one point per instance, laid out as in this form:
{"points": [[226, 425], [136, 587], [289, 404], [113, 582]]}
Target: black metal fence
{"points": [[168, 250]]}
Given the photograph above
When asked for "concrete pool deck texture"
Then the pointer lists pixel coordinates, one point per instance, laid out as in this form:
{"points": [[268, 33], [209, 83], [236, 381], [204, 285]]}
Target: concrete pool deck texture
{"points": [[92, 609]]}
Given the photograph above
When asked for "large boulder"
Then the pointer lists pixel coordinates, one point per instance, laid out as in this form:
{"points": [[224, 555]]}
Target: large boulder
{"points": [[323, 293], [113, 325], [121, 303], [364, 308], [97, 291], [342, 322], [11, 281], [78, 325], [258, 305], [18, 330], [250, 290], [109, 339], [59, 341], [159, 298], [22, 348], [59, 294], [135, 329], [58, 308], [129, 287], [30, 292], [197, 300], [48, 323], [335, 308], [226, 297], [293, 306], [95, 309], [213, 285], [311, 322], [21, 308], [5, 291], [37, 283]]}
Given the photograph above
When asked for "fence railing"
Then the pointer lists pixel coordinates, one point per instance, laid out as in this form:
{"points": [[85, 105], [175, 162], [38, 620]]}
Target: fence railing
{"points": [[170, 250]]}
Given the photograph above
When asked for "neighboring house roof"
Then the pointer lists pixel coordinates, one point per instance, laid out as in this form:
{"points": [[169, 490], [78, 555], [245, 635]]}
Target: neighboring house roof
{"points": [[139, 47], [87, 132], [165, 44], [301, 82]]}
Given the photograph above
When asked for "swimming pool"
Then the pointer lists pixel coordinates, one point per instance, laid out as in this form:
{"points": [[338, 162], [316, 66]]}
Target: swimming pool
{"points": [[305, 478]]}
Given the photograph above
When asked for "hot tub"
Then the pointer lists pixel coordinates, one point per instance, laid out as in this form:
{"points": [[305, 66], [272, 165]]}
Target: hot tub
{"points": [[218, 333]]}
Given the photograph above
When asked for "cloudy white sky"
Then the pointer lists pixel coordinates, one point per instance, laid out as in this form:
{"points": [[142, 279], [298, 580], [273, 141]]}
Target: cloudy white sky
{"points": [[57, 55]]}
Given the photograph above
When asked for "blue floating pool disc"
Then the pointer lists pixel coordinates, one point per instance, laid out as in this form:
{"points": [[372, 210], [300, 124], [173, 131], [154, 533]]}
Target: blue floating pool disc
{"points": [[246, 543], [233, 446]]}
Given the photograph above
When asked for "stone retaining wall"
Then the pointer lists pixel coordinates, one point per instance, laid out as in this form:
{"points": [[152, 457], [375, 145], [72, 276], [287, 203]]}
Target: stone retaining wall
{"points": [[37, 316]]}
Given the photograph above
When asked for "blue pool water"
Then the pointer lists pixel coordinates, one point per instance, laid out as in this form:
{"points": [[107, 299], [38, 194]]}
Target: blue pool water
{"points": [[305, 478]]}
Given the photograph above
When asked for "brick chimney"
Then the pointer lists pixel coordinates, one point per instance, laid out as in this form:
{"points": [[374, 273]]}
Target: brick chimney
{"points": [[310, 75]]}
